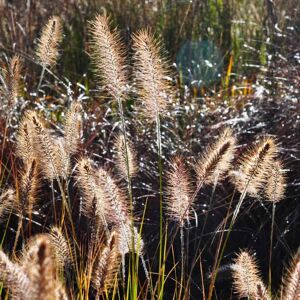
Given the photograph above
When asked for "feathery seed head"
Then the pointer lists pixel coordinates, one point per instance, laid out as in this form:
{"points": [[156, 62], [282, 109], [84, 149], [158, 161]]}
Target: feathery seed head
{"points": [[30, 183], [14, 278], [49, 151], [25, 135], [63, 253], [73, 127], [108, 56], [7, 202], [276, 185], [85, 178], [39, 264], [11, 77], [151, 73], [179, 191], [116, 202], [254, 167], [107, 264], [130, 239], [47, 49], [291, 282], [246, 277], [216, 159], [121, 161]]}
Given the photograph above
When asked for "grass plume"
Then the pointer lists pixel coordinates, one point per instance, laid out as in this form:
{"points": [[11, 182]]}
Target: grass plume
{"points": [[246, 278]]}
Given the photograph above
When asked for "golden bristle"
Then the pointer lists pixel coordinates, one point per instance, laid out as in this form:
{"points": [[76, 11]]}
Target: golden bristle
{"points": [[254, 167], [107, 264], [121, 161], [276, 185], [151, 73], [14, 278], [73, 125], [108, 56], [179, 191], [30, 183], [291, 282], [216, 159], [12, 78], [47, 50], [246, 278]]}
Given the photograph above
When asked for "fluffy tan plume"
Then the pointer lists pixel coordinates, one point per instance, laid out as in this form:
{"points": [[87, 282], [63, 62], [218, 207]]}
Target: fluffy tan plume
{"points": [[73, 125], [107, 264], [50, 151], [276, 185], [63, 252], [254, 167], [95, 203], [15, 279], [115, 197], [246, 278], [7, 202], [151, 73], [47, 49], [108, 56], [291, 281], [130, 239], [216, 159], [29, 187], [39, 264], [24, 141], [11, 76], [121, 162], [179, 191]]}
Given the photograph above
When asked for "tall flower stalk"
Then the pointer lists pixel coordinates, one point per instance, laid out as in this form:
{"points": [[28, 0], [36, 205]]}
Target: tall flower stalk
{"points": [[150, 73]]}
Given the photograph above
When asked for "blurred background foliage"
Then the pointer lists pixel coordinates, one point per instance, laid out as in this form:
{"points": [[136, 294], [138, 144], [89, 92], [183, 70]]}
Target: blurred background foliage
{"points": [[216, 45]]}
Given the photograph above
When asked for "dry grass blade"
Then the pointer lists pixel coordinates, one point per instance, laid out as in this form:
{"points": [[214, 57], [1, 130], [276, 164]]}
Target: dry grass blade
{"points": [[291, 282], [108, 56], [179, 191], [107, 264], [14, 278], [254, 167], [151, 75], [121, 157], [276, 185], [246, 278], [47, 49], [216, 159]]}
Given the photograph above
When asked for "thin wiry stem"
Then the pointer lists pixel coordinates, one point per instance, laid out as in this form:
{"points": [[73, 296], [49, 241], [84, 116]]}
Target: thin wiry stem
{"points": [[41, 79], [271, 245]]}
